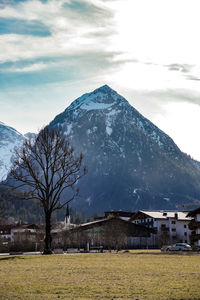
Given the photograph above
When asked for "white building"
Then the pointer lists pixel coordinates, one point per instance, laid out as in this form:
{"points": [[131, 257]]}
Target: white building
{"points": [[170, 226]]}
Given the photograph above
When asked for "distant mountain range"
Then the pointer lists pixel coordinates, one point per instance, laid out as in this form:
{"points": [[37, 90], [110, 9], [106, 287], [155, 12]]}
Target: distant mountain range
{"points": [[131, 163]]}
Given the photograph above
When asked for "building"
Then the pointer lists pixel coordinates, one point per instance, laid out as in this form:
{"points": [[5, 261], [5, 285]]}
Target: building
{"points": [[24, 232], [26, 237], [5, 232], [194, 226], [5, 237], [18, 237], [116, 231], [169, 226], [113, 231]]}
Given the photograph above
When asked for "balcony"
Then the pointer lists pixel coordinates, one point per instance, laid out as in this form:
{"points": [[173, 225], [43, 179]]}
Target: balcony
{"points": [[194, 237], [193, 225]]}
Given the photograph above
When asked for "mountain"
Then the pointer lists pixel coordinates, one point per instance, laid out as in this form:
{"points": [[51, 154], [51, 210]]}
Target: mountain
{"points": [[131, 163], [9, 139], [30, 135]]}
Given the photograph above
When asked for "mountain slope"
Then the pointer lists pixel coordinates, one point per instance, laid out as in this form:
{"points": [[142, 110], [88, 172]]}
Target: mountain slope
{"points": [[131, 163], [9, 139]]}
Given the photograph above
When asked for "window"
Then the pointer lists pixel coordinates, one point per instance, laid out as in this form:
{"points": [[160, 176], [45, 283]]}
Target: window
{"points": [[173, 222], [185, 233], [185, 226], [173, 229], [163, 226]]}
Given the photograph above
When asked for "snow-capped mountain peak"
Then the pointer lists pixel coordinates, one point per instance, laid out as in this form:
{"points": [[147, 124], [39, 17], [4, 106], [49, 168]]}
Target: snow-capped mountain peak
{"points": [[130, 161], [101, 98], [106, 104]]}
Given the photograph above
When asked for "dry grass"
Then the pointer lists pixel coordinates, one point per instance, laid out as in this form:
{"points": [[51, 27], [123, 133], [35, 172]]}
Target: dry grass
{"points": [[134, 275]]}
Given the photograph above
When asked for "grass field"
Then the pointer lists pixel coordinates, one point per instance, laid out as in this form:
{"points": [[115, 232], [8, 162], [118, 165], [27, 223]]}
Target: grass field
{"points": [[134, 275]]}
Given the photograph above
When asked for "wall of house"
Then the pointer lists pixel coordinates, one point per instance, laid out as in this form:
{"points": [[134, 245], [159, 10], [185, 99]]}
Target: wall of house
{"points": [[142, 242], [21, 231], [198, 217], [181, 230], [177, 230]]}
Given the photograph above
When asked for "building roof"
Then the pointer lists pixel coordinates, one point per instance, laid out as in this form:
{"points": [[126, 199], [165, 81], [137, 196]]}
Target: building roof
{"points": [[194, 212], [93, 222], [25, 226], [165, 214]]}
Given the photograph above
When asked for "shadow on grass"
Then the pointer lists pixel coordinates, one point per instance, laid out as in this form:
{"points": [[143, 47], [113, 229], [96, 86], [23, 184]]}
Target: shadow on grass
{"points": [[149, 252], [11, 258], [141, 253]]}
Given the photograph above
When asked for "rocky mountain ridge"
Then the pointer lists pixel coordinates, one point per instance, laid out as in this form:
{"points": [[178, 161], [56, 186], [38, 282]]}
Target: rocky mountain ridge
{"points": [[131, 163]]}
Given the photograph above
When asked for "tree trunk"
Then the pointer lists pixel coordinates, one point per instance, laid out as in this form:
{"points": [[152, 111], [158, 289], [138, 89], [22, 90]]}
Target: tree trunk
{"points": [[48, 238]]}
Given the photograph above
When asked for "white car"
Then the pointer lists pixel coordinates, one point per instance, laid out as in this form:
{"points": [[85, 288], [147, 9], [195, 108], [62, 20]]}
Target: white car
{"points": [[179, 247]]}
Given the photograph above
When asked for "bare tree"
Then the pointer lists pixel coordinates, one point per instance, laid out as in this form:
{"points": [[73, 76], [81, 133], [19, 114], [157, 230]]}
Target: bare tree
{"points": [[163, 238], [45, 168]]}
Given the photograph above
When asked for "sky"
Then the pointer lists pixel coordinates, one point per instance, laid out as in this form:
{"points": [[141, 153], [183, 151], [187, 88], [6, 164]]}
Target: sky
{"points": [[53, 51]]}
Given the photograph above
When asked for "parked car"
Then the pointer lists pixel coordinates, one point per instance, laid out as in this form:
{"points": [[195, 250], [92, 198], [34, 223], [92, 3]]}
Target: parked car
{"points": [[178, 247]]}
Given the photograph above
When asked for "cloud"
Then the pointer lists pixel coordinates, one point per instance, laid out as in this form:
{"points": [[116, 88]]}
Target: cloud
{"points": [[29, 68], [146, 50], [194, 78], [55, 69], [180, 67], [24, 27], [68, 27]]}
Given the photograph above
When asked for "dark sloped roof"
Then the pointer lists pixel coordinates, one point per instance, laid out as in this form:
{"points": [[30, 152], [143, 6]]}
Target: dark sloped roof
{"points": [[27, 226], [194, 212]]}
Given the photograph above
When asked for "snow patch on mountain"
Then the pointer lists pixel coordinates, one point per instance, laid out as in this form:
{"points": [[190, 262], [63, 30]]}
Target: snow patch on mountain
{"points": [[108, 130], [69, 128], [10, 139], [100, 99], [89, 105]]}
